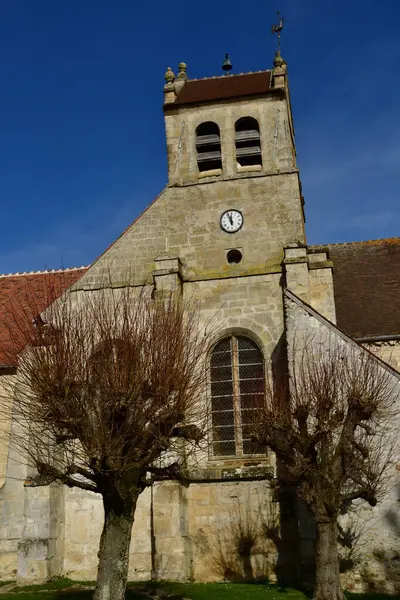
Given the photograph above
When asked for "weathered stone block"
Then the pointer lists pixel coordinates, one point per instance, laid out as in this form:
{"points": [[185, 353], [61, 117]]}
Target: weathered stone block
{"points": [[32, 559]]}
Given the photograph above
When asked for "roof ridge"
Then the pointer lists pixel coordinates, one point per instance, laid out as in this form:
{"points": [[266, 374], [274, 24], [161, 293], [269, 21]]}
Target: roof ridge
{"points": [[391, 239], [230, 76], [46, 271]]}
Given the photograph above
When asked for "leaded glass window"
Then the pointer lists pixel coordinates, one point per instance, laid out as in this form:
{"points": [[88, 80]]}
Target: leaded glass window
{"points": [[237, 390]]}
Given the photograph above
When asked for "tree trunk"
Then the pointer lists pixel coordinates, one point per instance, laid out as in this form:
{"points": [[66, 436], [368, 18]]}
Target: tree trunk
{"points": [[112, 573], [327, 581]]}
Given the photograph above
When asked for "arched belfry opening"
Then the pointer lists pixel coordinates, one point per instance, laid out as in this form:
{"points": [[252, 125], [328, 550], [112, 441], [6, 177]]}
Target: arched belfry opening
{"points": [[247, 142], [208, 146]]}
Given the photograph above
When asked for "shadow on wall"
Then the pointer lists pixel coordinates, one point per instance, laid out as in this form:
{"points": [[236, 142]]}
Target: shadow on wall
{"points": [[350, 551], [259, 541], [243, 552], [352, 545], [388, 559], [376, 571], [250, 547]]}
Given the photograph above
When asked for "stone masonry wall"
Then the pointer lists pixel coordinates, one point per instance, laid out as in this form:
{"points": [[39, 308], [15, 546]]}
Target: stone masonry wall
{"points": [[250, 305], [83, 524], [185, 221], [234, 530], [371, 553], [59, 528], [24, 527], [207, 531], [173, 523], [272, 114], [389, 351], [196, 531], [6, 386]]}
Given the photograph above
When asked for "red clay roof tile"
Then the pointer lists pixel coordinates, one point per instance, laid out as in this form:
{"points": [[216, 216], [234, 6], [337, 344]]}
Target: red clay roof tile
{"points": [[366, 277], [22, 297], [218, 88]]}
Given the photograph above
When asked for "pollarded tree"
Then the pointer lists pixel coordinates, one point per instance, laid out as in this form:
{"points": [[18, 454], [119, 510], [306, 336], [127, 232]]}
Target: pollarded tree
{"points": [[330, 424], [108, 385]]}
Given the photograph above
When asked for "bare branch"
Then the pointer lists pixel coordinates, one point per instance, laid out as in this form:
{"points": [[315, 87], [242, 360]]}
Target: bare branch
{"points": [[107, 384], [330, 424], [48, 474]]}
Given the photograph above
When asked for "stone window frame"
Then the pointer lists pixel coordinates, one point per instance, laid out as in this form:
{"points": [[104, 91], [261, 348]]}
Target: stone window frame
{"points": [[251, 167], [238, 431], [216, 170]]}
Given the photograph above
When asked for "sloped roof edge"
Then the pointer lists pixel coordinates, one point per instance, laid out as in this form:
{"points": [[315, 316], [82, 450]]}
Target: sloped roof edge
{"points": [[123, 233], [375, 241], [213, 89], [45, 272], [314, 313], [24, 294]]}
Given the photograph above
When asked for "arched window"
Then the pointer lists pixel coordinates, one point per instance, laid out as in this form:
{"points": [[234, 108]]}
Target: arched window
{"points": [[237, 392], [247, 140], [208, 145], [113, 364]]}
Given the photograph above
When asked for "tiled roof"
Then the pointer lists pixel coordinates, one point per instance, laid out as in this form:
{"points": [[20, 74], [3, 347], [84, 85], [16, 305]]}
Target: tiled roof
{"points": [[332, 327], [218, 88], [366, 278], [22, 297]]}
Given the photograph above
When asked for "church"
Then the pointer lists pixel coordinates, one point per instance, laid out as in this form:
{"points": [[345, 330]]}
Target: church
{"points": [[228, 229]]}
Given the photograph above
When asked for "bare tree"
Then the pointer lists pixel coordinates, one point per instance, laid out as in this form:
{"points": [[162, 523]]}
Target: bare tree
{"points": [[328, 421], [108, 397]]}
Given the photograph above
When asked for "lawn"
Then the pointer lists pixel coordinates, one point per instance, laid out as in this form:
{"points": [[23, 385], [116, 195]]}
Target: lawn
{"points": [[64, 589]]}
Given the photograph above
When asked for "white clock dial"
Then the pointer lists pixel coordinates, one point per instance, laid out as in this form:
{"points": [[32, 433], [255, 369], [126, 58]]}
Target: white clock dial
{"points": [[231, 221]]}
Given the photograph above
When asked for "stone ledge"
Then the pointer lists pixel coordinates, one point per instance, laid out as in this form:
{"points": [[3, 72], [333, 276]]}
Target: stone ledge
{"points": [[295, 260], [256, 472], [327, 264], [240, 175], [170, 271]]}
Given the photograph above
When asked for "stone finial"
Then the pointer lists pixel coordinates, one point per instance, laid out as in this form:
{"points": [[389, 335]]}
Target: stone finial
{"points": [[278, 60], [279, 71], [169, 76], [169, 89], [182, 77], [182, 71]]}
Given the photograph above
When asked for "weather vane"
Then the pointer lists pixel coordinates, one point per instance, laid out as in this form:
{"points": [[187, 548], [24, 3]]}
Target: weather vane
{"points": [[277, 29]]}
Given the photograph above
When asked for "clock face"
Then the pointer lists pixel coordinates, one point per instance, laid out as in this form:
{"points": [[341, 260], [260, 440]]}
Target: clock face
{"points": [[231, 221]]}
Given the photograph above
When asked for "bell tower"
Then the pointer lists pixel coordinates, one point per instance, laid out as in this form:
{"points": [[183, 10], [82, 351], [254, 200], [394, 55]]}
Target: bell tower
{"points": [[228, 127], [232, 170]]}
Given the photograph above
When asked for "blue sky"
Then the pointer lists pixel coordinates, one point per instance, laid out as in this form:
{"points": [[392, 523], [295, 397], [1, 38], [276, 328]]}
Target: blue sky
{"points": [[82, 147]]}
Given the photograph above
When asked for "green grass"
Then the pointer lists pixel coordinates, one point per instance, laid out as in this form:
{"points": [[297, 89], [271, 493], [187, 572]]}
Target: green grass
{"points": [[87, 595], [227, 591], [58, 584], [64, 589]]}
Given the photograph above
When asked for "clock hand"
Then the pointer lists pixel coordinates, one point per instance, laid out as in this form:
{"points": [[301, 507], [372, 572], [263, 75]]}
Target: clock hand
{"points": [[230, 218]]}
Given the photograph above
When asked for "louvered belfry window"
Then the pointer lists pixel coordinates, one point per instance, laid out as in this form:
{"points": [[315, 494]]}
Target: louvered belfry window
{"points": [[237, 392], [208, 146], [248, 144]]}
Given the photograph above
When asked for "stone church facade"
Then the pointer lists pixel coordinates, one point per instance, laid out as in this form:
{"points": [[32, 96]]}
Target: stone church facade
{"points": [[229, 230]]}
